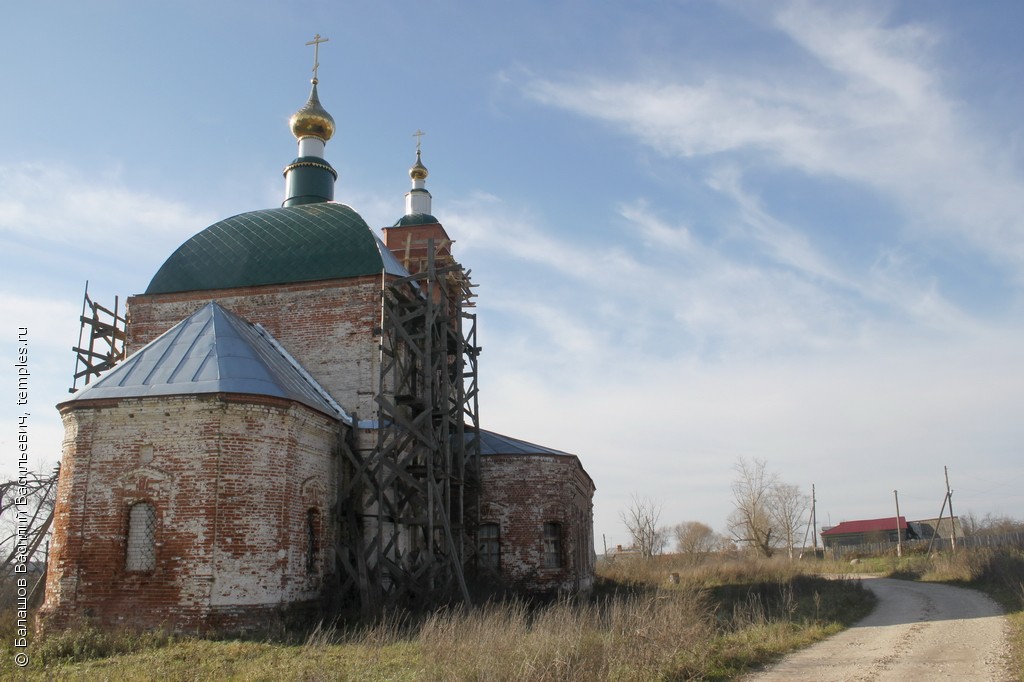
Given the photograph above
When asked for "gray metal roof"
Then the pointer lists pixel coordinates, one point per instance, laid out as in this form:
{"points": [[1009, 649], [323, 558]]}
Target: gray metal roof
{"points": [[391, 264], [496, 444], [211, 351]]}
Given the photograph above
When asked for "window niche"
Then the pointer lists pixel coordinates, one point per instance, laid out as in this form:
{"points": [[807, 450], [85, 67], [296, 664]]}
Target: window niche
{"points": [[489, 546], [313, 528], [140, 553], [552, 544]]}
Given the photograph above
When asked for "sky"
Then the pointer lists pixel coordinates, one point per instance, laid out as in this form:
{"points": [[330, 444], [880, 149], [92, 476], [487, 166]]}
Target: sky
{"points": [[702, 231]]}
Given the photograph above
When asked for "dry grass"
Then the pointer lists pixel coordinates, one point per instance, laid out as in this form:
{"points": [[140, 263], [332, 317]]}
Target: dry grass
{"points": [[717, 621], [626, 638]]}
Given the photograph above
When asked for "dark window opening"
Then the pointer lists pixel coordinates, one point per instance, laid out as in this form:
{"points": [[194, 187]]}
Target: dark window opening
{"points": [[312, 540], [552, 545], [489, 546]]}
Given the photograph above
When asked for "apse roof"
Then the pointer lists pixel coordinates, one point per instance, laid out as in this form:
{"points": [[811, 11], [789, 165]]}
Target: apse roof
{"points": [[492, 443], [211, 351], [311, 242]]}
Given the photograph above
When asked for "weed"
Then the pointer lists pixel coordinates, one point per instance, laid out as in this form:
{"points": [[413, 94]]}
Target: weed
{"points": [[716, 621]]}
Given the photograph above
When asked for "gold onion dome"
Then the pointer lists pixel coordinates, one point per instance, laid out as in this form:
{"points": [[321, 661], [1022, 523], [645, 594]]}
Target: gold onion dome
{"points": [[312, 120], [418, 170]]}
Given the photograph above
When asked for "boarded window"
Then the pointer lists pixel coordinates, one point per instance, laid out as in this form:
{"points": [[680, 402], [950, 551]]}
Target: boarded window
{"points": [[552, 545], [141, 546], [312, 540], [489, 549]]}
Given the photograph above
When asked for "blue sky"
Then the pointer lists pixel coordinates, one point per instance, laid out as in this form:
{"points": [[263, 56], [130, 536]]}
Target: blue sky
{"points": [[791, 231]]}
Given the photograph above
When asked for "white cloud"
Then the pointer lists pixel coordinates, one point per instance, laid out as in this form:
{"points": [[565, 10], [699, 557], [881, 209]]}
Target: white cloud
{"points": [[52, 329], [860, 375], [671, 293], [57, 222], [52, 209], [866, 105]]}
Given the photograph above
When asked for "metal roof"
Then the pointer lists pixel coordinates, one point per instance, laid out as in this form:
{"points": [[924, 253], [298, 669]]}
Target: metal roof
{"points": [[211, 351], [415, 219], [306, 243], [492, 443], [866, 526], [496, 444]]}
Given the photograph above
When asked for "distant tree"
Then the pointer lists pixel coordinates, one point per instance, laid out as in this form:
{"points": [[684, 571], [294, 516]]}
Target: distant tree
{"points": [[990, 524], [695, 539], [641, 520], [787, 508], [768, 514], [750, 522], [661, 540]]}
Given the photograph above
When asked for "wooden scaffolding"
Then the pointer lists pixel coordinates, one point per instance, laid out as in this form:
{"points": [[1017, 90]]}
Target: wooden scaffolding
{"points": [[104, 330], [407, 509]]}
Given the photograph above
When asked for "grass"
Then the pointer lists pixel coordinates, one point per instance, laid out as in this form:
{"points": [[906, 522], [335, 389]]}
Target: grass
{"points": [[719, 620]]}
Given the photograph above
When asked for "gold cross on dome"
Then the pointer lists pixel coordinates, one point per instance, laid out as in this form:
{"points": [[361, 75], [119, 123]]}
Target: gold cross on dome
{"points": [[315, 42], [418, 135]]}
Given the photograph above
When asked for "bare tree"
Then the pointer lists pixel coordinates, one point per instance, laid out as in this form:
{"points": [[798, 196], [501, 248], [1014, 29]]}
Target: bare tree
{"points": [[786, 508], [696, 540], [990, 524], [26, 512], [751, 520], [768, 513], [641, 521]]}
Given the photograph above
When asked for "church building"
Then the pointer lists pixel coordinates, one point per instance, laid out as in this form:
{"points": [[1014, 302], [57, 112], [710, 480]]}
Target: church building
{"points": [[295, 428]]}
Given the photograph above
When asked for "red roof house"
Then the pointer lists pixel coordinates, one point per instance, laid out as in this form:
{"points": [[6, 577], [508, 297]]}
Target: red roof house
{"points": [[866, 531]]}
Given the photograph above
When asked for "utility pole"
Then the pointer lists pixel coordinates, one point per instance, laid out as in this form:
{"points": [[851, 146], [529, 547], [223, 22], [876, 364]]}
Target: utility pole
{"points": [[935, 532], [814, 522], [899, 535], [952, 519]]}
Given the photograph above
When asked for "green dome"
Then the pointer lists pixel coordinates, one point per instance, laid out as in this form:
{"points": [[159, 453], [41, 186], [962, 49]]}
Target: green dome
{"points": [[416, 219], [276, 246]]}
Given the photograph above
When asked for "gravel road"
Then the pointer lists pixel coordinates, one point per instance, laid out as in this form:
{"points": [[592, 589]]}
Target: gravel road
{"points": [[918, 631]]}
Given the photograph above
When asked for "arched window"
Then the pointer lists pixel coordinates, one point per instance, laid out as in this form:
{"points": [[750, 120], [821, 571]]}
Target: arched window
{"points": [[552, 545], [489, 546], [312, 539], [141, 546]]}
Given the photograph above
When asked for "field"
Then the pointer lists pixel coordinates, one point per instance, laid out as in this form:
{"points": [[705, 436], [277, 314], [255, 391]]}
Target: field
{"points": [[721, 618]]}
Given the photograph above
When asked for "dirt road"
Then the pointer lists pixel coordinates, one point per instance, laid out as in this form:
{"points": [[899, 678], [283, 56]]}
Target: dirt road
{"points": [[918, 631]]}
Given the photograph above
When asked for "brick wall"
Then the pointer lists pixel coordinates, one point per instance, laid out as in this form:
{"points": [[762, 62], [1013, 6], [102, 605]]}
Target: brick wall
{"points": [[232, 480], [409, 244], [329, 327], [523, 492]]}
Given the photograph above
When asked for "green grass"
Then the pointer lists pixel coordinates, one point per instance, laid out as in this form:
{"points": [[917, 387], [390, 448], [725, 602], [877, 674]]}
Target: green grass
{"points": [[716, 622]]}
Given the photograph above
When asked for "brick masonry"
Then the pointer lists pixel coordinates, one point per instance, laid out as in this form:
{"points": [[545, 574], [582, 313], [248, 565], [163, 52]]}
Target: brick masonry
{"points": [[232, 480], [523, 492], [329, 327], [410, 244]]}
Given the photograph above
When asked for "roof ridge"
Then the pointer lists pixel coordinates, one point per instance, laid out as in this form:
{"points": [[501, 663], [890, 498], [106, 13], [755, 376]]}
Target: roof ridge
{"points": [[246, 361], [302, 372]]}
